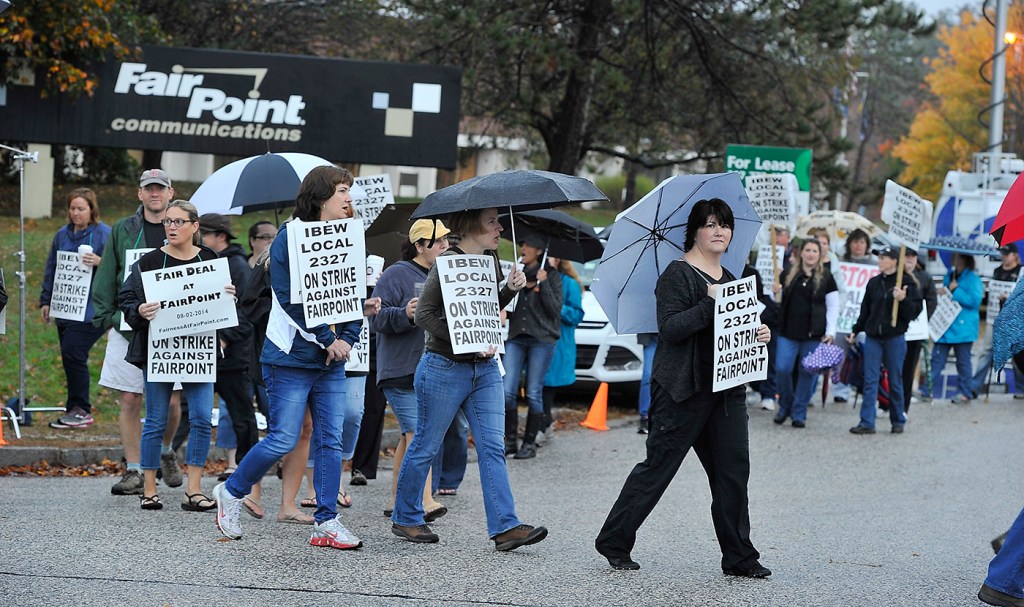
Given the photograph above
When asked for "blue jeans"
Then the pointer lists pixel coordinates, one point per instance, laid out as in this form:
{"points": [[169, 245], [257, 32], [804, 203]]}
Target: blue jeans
{"points": [[535, 356], [291, 391], [645, 378], [879, 351], [963, 367], [766, 388], [226, 438], [76, 339], [200, 409], [791, 352], [403, 405], [355, 393], [450, 462], [444, 386], [1006, 571], [981, 375]]}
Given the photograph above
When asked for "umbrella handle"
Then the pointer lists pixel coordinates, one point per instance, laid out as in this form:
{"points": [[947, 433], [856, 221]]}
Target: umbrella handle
{"points": [[512, 225]]}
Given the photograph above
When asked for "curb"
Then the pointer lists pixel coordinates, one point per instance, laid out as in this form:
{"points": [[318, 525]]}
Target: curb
{"points": [[13, 455]]}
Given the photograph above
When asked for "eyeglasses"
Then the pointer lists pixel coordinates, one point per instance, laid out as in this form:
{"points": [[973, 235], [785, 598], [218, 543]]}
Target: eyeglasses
{"points": [[175, 222], [265, 237]]}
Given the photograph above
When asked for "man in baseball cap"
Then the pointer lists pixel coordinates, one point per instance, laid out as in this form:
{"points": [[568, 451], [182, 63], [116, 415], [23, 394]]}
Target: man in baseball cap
{"points": [[215, 223], [155, 176]]}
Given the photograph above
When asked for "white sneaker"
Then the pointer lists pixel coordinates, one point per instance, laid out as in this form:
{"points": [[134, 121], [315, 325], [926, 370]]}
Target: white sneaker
{"points": [[541, 437], [229, 512], [768, 404], [753, 398], [333, 534]]}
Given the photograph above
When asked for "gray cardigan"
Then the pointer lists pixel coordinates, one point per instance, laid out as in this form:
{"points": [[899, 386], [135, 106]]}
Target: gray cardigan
{"points": [[684, 309], [399, 340]]}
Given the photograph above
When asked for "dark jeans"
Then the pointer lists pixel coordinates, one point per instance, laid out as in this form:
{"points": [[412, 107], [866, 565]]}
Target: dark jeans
{"points": [[367, 454], [449, 465], [909, 366], [235, 388], [767, 388], [717, 432], [76, 339]]}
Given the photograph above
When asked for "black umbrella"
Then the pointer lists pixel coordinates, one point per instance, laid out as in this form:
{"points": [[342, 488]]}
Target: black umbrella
{"points": [[522, 190], [566, 236], [386, 234]]}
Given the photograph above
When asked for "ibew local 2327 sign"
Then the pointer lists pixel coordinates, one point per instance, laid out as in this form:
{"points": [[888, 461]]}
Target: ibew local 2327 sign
{"points": [[232, 103]]}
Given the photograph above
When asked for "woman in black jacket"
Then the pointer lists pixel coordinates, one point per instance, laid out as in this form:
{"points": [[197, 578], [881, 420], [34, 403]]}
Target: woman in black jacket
{"points": [[685, 413], [181, 224], [807, 318]]}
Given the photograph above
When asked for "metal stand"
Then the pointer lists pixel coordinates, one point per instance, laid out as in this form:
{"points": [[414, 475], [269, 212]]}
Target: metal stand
{"points": [[19, 157]]}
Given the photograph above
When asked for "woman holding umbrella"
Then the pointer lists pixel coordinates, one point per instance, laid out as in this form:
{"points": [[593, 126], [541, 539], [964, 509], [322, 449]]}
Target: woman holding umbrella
{"points": [[446, 382], [685, 413], [534, 327]]}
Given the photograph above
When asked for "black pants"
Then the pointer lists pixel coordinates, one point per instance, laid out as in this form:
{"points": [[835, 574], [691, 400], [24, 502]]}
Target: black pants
{"points": [[909, 366], [235, 387], [76, 339], [367, 454], [717, 433]]}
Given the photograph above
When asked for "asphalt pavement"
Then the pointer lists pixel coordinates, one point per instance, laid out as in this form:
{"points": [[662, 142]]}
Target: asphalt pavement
{"points": [[840, 519]]}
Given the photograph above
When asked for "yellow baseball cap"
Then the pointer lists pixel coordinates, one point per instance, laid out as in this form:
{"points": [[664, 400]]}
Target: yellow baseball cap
{"points": [[424, 229]]}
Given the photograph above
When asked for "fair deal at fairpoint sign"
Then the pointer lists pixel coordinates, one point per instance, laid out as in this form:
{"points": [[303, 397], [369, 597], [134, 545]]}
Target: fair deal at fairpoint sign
{"points": [[192, 299]]}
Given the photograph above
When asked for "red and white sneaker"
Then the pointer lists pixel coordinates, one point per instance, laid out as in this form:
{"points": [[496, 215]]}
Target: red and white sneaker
{"points": [[332, 534]]}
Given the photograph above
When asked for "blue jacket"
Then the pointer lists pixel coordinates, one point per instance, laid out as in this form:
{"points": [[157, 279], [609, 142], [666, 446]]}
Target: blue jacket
{"points": [[562, 371], [968, 294], [67, 239], [304, 354]]}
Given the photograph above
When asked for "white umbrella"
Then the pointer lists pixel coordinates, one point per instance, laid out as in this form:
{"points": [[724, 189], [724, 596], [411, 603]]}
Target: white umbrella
{"points": [[267, 181]]}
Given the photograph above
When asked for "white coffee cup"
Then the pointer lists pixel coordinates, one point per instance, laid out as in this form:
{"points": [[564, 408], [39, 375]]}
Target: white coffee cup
{"points": [[374, 268], [83, 250]]}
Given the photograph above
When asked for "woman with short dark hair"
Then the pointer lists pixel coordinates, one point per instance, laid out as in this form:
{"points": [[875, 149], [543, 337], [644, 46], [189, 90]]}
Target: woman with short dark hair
{"points": [[303, 368], [685, 413]]}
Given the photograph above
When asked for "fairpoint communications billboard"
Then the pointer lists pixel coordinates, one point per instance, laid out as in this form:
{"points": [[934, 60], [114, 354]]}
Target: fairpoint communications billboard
{"points": [[241, 104]]}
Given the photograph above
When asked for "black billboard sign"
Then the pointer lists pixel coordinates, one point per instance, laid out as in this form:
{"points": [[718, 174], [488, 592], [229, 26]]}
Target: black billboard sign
{"points": [[234, 103]]}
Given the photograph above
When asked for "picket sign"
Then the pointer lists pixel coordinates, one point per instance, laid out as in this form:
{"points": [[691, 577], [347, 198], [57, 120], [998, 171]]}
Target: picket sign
{"points": [[739, 357], [945, 314], [855, 277], [910, 218], [470, 295]]}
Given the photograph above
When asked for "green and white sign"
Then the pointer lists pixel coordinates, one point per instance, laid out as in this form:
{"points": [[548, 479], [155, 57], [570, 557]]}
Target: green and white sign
{"points": [[759, 159]]}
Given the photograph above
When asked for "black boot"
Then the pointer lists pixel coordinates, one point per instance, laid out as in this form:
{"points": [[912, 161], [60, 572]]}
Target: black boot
{"points": [[511, 430], [534, 422]]}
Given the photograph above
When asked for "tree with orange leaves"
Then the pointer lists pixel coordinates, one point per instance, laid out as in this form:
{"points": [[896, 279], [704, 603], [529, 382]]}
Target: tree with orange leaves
{"points": [[949, 128], [59, 40]]}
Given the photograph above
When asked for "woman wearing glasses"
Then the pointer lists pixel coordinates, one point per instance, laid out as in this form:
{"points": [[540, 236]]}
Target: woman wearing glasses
{"points": [[181, 225]]}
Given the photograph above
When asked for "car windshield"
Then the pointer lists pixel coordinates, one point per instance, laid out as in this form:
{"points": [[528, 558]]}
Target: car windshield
{"points": [[586, 271]]}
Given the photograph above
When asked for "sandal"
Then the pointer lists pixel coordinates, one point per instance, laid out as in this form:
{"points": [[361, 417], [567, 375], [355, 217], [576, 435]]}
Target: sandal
{"points": [[308, 502], [344, 499], [253, 508], [151, 503], [197, 502]]}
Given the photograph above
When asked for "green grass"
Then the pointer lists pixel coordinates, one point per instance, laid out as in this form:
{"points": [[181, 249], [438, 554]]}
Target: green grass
{"points": [[44, 375]]}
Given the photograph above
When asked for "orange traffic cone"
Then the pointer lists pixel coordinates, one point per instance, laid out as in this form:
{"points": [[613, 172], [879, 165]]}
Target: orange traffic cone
{"points": [[597, 418], [2, 441]]}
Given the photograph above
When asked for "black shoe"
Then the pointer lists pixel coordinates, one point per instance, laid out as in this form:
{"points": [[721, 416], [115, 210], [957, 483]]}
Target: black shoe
{"points": [[643, 426], [523, 535], [420, 534], [997, 543], [798, 424], [623, 563], [780, 419], [754, 570], [897, 429], [839, 399], [861, 430], [1001, 599], [527, 451], [358, 478]]}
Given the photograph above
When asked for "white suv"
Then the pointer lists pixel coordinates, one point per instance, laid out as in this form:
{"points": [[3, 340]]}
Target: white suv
{"points": [[602, 355]]}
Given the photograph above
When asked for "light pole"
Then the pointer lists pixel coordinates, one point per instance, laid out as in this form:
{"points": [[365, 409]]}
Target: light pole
{"points": [[19, 157]]}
